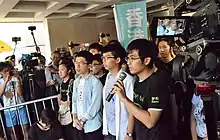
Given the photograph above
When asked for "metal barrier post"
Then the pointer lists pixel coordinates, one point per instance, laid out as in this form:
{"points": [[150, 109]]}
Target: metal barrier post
{"points": [[28, 115], [35, 107], [13, 129], [19, 115], [44, 104], [51, 100], [3, 126]]}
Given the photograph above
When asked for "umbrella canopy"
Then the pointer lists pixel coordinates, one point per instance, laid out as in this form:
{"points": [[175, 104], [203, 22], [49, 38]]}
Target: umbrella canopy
{"points": [[4, 47]]}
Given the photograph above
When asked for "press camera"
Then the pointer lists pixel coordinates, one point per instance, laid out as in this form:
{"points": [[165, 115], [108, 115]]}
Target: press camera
{"points": [[29, 61], [200, 40], [199, 60]]}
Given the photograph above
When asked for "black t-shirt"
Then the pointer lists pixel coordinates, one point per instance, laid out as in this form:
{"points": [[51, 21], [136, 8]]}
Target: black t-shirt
{"points": [[167, 67], [35, 133], [153, 93], [65, 90], [103, 78]]}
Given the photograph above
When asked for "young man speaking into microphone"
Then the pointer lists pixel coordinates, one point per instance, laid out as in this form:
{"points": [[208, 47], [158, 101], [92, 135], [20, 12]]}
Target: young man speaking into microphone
{"points": [[150, 108]]}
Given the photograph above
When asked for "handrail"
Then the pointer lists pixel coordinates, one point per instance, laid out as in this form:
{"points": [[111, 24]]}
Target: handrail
{"points": [[29, 102]]}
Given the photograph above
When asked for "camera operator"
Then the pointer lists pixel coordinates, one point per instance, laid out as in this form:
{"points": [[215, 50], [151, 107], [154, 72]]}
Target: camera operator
{"points": [[166, 53], [51, 72], [181, 93], [39, 76], [33, 77], [11, 92]]}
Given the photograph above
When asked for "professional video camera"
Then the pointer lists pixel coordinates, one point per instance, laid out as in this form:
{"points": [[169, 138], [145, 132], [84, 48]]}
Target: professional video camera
{"points": [[29, 61], [200, 33], [199, 39]]}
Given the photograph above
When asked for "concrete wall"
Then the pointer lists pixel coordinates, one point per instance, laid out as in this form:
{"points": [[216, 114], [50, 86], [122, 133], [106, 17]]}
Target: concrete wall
{"points": [[78, 30]]}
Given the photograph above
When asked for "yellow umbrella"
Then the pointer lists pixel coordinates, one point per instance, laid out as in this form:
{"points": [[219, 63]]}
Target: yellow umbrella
{"points": [[4, 47]]}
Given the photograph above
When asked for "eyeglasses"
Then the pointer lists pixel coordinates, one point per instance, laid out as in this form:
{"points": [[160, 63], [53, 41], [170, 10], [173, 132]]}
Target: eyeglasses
{"points": [[80, 63], [131, 59], [107, 57]]}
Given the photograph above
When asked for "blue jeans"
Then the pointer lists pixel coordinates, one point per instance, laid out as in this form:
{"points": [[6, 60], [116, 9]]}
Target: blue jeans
{"points": [[15, 117]]}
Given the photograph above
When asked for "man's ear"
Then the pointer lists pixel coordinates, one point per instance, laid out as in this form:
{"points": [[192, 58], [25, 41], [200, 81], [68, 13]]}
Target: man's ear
{"points": [[118, 60], [90, 66], [147, 60]]}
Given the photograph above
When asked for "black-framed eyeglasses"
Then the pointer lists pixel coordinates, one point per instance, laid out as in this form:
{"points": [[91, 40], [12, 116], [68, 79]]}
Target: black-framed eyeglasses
{"points": [[131, 59], [107, 57]]}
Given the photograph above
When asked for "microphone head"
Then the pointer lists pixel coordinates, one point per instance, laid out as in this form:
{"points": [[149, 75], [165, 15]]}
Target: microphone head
{"points": [[122, 76]]}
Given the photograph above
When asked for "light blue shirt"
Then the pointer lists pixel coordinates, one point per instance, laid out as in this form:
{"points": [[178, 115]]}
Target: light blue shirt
{"points": [[11, 87], [121, 112], [92, 100], [160, 31], [199, 114], [110, 106]]}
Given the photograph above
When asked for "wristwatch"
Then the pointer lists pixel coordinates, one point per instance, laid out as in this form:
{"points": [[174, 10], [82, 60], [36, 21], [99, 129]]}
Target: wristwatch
{"points": [[129, 134], [81, 122]]}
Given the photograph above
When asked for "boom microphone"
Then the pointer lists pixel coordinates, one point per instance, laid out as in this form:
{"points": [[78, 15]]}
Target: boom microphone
{"points": [[121, 77]]}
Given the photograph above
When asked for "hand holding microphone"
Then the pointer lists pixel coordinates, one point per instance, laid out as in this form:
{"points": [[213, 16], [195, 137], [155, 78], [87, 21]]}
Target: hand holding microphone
{"points": [[118, 88]]}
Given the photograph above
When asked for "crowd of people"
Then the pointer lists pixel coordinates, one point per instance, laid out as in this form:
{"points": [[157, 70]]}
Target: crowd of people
{"points": [[147, 104]]}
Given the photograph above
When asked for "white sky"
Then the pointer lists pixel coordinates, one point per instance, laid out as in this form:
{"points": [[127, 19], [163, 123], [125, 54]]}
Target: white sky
{"points": [[9, 30]]}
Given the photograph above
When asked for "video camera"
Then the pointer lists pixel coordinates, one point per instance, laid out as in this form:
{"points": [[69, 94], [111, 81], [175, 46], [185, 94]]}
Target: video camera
{"points": [[29, 61], [200, 56]]}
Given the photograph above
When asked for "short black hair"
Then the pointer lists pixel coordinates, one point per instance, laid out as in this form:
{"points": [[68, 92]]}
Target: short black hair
{"points": [[85, 54], [114, 42], [97, 57], [48, 116], [145, 49], [96, 46], [67, 63], [170, 41], [117, 51]]}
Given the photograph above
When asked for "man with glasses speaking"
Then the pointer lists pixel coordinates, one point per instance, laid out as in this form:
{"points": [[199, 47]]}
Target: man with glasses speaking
{"points": [[151, 106]]}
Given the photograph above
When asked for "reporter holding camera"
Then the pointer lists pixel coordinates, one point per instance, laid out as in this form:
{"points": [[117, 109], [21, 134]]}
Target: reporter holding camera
{"points": [[51, 73], [11, 92]]}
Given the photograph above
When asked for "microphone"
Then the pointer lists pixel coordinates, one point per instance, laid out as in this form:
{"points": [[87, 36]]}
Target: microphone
{"points": [[121, 77]]}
